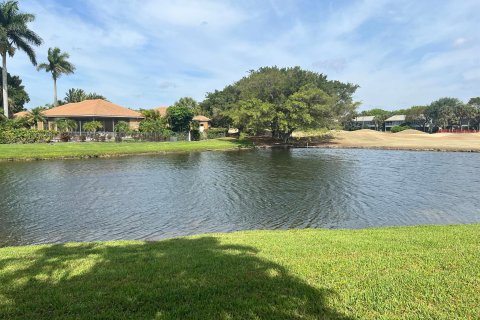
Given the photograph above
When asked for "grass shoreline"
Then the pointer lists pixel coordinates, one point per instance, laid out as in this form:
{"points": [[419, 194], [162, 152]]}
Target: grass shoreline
{"points": [[85, 150], [393, 272]]}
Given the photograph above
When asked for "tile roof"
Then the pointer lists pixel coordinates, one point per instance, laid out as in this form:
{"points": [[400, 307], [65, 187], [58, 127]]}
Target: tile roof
{"points": [[161, 110], [92, 108], [21, 114], [200, 118], [398, 117]]}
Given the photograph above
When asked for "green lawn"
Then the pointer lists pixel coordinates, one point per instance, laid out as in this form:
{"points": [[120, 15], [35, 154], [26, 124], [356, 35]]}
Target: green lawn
{"points": [[426, 272], [102, 149]]}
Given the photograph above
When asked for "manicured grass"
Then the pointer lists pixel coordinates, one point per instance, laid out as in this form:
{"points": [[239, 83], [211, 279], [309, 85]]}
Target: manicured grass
{"points": [[102, 149], [426, 272]]}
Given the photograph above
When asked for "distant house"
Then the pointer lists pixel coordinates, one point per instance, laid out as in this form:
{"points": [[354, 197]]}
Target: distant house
{"points": [[108, 113], [393, 121], [203, 122], [364, 122]]}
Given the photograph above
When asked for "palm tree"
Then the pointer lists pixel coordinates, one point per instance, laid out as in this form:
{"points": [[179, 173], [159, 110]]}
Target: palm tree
{"points": [[15, 34], [36, 115], [66, 125], [57, 65]]}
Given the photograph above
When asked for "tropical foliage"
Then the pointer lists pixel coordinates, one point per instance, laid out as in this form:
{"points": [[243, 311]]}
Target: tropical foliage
{"points": [[15, 35], [57, 65], [36, 116], [65, 125], [92, 126], [78, 95]]}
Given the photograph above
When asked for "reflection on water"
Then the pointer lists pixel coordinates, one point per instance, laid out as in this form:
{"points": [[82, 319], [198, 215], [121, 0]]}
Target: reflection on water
{"points": [[151, 197]]}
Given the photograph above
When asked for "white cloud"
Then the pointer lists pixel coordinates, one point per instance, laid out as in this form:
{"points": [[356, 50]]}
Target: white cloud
{"points": [[149, 53]]}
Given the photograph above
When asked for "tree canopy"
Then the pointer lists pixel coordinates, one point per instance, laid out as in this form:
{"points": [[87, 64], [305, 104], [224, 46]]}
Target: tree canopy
{"points": [[281, 100]]}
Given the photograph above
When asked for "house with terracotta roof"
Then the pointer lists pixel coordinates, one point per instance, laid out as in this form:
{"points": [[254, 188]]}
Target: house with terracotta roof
{"points": [[108, 113], [202, 121]]}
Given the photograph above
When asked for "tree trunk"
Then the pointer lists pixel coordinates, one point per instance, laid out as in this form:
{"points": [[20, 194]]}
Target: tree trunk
{"points": [[4, 84], [55, 100]]}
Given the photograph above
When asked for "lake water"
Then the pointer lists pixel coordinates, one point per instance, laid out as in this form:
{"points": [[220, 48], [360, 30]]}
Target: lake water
{"points": [[153, 197]]}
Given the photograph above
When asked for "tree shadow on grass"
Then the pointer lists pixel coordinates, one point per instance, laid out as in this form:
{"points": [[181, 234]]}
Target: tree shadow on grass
{"points": [[173, 279]]}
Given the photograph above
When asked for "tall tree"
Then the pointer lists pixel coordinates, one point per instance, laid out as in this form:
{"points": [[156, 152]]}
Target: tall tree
{"points": [[15, 35], [57, 65]]}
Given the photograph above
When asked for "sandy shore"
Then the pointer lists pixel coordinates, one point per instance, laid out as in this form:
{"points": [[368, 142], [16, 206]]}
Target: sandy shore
{"points": [[406, 140]]}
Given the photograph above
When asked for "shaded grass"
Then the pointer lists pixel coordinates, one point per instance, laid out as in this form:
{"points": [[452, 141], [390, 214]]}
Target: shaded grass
{"points": [[427, 272], [104, 149]]}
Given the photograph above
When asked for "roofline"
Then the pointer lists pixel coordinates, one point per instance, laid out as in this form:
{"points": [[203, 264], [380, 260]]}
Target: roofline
{"points": [[90, 116]]}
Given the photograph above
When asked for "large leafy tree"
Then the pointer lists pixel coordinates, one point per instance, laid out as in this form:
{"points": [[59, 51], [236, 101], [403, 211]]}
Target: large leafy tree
{"points": [[57, 65], [442, 111], [17, 96], [218, 103], [179, 118], [15, 35], [276, 86]]}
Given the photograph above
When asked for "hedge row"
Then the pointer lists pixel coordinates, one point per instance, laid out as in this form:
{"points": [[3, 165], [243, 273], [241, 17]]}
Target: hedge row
{"points": [[26, 135]]}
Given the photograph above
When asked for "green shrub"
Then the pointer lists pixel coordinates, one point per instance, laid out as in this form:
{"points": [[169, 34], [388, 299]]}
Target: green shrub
{"points": [[399, 128], [217, 130], [214, 133], [26, 136]]}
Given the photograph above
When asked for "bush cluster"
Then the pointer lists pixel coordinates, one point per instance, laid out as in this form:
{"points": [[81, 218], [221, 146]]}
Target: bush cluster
{"points": [[214, 133], [399, 128], [26, 135]]}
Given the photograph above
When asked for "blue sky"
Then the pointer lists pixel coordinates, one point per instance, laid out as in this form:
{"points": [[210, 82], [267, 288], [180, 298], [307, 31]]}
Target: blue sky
{"points": [[148, 53]]}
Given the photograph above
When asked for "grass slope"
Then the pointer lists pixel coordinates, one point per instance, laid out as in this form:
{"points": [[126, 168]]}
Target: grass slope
{"points": [[99, 149], [427, 272]]}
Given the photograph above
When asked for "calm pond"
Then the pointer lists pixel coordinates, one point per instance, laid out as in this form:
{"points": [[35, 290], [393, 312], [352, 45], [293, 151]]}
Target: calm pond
{"points": [[153, 197]]}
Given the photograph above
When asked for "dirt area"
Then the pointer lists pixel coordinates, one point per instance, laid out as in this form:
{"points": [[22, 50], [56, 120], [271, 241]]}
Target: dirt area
{"points": [[405, 140], [370, 139]]}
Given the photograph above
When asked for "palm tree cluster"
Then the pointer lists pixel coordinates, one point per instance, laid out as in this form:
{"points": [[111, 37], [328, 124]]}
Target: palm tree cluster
{"points": [[16, 35]]}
